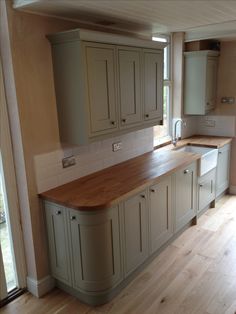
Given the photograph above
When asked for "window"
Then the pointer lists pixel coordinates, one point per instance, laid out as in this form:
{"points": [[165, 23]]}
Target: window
{"points": [[162, 133]]}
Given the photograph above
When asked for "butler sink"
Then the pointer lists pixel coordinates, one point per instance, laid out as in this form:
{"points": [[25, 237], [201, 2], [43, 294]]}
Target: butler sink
{"points": [[208, 158]]}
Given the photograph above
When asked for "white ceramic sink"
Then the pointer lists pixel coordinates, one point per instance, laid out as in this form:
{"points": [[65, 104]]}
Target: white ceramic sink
{"points": [[208, 159]]}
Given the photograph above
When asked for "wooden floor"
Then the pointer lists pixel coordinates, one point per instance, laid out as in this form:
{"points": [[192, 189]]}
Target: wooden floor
{"points": [[195, 274]]}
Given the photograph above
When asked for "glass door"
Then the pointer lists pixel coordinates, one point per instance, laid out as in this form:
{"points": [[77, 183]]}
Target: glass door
{"points": [[7, 256]]}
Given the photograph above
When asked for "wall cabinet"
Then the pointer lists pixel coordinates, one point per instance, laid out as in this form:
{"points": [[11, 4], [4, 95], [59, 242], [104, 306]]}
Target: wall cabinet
{"points": [[135, 231], [222, 170], [185, 195], [105, 89], [200, 82], [161, 213], [206, 189]]}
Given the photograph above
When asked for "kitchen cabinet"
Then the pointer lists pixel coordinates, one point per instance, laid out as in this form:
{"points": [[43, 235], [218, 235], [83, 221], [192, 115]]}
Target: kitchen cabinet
{"points": [[185, 195], [105, 86], [222, 170], [200, 81], [135, 231], [58, 241], [95, 249], [153, 88], [161, 213], [206, 189], [129, 69], [102, 101]]}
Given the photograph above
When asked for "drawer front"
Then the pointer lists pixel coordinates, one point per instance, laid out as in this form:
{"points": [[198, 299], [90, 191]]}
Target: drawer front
{"points": [[206, 189]]}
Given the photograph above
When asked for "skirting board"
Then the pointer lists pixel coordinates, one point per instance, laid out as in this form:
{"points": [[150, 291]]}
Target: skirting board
{"points": [[40, 287], [232, 190]]}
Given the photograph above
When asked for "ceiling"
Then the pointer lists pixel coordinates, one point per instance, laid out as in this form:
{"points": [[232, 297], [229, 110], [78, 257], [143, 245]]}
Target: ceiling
{"points": [[199, 19]]}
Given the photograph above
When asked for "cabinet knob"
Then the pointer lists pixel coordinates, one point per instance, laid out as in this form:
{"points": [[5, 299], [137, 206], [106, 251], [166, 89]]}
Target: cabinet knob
{"points": [[123, 120], [201, 185], [58, 212], [208, 104], [143, 196], [147, 115], [186, 171], [113, 122], [73, 218], [152, 190], [219, 153]]}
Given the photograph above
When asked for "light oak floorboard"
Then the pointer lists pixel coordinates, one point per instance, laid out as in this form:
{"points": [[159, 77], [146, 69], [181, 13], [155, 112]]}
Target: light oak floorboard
{"points": [[196, 274]]}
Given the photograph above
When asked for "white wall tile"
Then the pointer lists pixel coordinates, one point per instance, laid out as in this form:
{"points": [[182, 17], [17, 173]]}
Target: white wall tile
{"points": [[89, 158], [223, 126]]}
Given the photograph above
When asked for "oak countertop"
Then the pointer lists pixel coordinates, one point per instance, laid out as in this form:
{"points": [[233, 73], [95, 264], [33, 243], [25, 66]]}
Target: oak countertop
{"points": [[110, 186]]}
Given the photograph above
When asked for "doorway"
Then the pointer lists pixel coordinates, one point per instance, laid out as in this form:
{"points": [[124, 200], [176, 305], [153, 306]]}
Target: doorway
{"points": [[12, 259]]}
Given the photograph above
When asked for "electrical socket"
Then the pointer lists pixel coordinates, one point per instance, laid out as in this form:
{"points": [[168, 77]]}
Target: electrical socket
{"points": [[116, 146], [68, 161], [210, 123]]}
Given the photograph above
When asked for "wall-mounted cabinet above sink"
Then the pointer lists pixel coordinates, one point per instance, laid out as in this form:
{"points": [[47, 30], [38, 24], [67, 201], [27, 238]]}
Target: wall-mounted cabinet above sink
{"points": [[208, 160]]}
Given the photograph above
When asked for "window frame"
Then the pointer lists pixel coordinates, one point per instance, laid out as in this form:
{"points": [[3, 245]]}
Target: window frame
{"points": [[167, 82]]}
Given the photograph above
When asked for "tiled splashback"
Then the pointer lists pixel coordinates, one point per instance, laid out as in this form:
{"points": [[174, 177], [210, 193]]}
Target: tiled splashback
{"points": [[216, 125], [89, 159]]}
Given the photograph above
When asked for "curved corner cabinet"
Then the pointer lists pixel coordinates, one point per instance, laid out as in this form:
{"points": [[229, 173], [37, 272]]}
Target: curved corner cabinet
{"points": [[105, 85], [94, 254]]}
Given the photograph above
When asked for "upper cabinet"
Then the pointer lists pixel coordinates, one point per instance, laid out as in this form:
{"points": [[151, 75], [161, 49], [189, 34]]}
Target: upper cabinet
{"points": [[200, 81], [105, 84]]}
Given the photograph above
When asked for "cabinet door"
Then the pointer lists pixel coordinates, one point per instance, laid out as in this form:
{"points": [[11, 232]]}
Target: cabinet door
{"points": [[161, 222], [185, 194], [211, 81], [101, 82], [56, 219], [206, 189], [135, 222], [222, 173], [95, 245], [129, 67], [153, 85]]}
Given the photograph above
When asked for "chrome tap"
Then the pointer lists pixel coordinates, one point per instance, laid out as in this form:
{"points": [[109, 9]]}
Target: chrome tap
{"points": [[175, 137]]}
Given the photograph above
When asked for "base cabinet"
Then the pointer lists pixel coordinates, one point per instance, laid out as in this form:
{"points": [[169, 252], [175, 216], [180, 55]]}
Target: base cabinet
{"points": [[222, 170], [94, 252], [161, 214], [206, 189], [95, 249], [185, 195], [58, 242], [135, 231]]}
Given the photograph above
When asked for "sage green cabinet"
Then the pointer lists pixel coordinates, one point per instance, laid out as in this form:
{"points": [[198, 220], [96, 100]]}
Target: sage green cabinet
{"points": [[58, 241], [135, 231], [152, 85], [101, 91], [185, 195], [200, 81], [222, 170], [206, 189], [95, 245], [129, 69], [161, 213]]}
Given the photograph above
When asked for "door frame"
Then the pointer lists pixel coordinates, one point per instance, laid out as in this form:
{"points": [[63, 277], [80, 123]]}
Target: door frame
{"points": [[11, 192]]}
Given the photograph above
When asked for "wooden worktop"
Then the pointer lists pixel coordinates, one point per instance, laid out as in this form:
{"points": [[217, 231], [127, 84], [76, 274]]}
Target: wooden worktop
{"points": [[110, 186]]}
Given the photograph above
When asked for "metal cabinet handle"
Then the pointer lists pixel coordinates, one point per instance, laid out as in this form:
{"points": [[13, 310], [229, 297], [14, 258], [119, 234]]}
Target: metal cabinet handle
{"points": [[58, 212], [152, 190], [186, 171], [201, 185], [73, 218], [147, 115], [113, 122], [143, 196], [123, 120], [219, 153], [208, 104]]}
